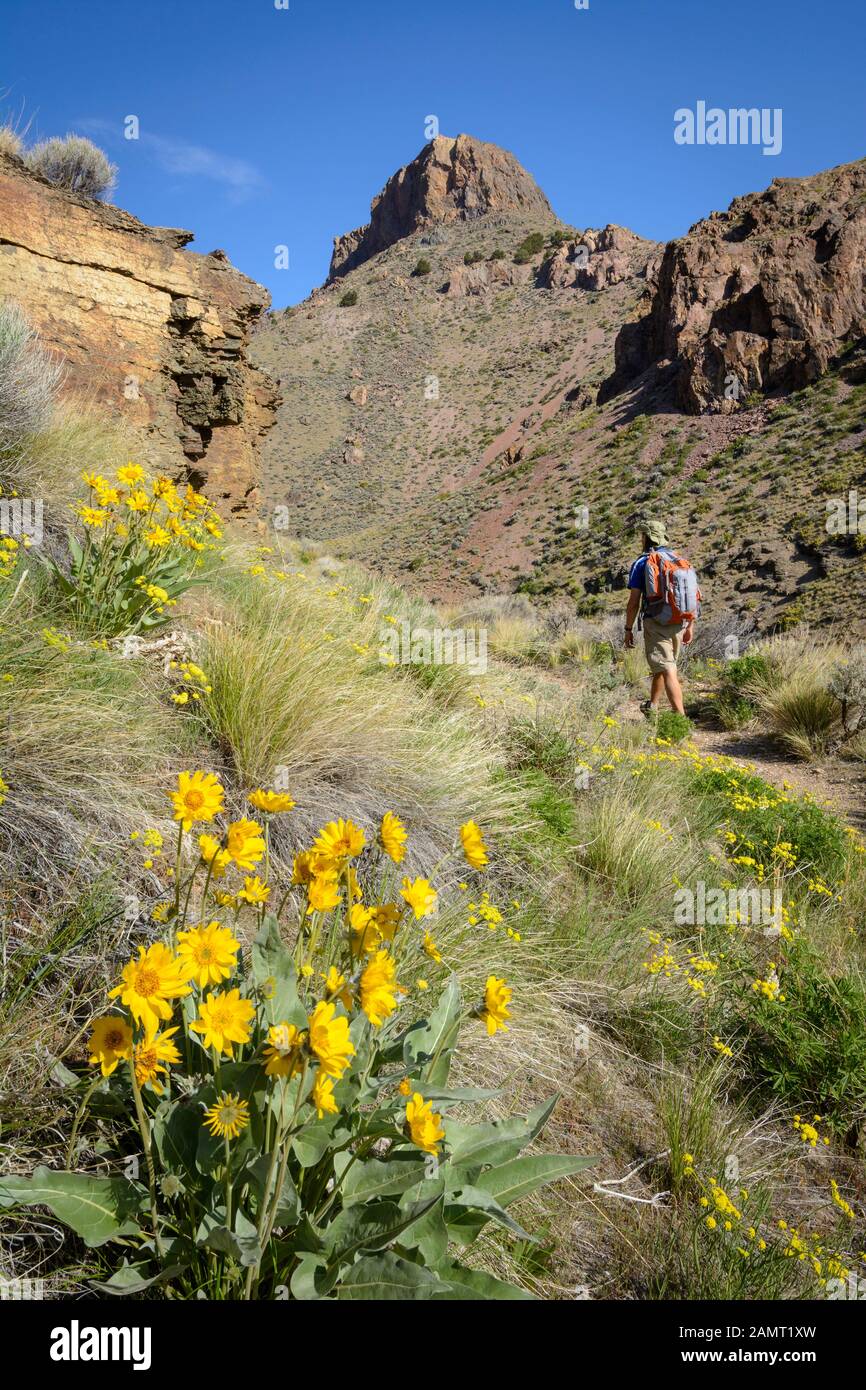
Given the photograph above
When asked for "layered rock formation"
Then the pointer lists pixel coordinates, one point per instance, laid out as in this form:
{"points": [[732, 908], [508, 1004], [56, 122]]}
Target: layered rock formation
{"points": [[149, 331], [450, 180], [758, 298], [597, 259]]}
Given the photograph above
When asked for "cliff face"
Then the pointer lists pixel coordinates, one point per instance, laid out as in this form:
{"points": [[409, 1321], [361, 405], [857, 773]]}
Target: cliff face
{"points": [[450, 180], [765, 293], [147, 330]]}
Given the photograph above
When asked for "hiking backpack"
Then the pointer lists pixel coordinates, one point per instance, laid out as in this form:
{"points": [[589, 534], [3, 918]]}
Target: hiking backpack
{"points": [[671, 592]]}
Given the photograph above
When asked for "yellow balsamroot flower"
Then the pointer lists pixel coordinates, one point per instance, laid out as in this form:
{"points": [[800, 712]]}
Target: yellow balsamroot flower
{"points": [[378, 988], [323, 1096], [335, 984], [474, 847], [425, 1126], [272, 803], [150, 1056], [208, 954], [254, 891], [306, 866], [432, 950], [393, 837], [92, 516], [420, 896], [147, 984], [138, 501], [366, 935], [497, 997], [227, 1116], [244, 843], [156, 537], [282, 1055], [386, 917], [323, 895], [340, 839], [3, 789], [214, 855], [329, 1039], [199, 797], [224, 1019], [129, 474], [110, 1043]]}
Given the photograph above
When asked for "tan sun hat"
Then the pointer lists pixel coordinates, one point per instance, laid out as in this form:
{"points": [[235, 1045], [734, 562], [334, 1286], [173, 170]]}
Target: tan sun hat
{"points": [[653, 528]]}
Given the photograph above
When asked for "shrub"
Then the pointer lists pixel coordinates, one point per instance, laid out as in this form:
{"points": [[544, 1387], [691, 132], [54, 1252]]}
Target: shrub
{"points": [[74, 163], [847, 684], [802, 714], [422, 266], [473, 257], [142, 548], [292, 1115], [349, 299], [28, 382], [11, 142], [674, 727], [497, 255], [530, 246]]}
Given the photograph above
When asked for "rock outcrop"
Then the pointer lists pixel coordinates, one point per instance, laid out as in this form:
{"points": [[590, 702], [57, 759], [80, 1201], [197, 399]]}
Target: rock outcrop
{"points": [[596, 260], [450, 180], [758, 298], [147, 330]]}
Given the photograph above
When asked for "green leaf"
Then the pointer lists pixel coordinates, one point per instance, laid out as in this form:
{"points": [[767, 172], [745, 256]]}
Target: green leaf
{"points": [[312, 1279], [372, 1226], [497, 1141], [511, 1181], [467, 1211], [96, 1208], [387, 1277], [131, 1279], [242, 1243], [459, 1095], [432, 1042], [380, 1177], [429, 1234], [461, 1283], [275, 975], [288, 1207]]}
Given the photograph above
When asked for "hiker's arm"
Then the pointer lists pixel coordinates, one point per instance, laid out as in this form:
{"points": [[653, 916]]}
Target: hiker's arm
{"points": [[630, 615]]}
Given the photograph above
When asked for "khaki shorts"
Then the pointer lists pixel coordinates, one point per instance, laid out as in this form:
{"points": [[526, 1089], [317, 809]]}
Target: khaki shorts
{"points": [[662, 643]]}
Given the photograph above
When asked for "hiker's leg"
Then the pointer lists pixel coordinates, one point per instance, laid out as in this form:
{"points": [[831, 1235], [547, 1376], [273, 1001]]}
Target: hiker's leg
{"points": [[673, 688], [657, 685]]}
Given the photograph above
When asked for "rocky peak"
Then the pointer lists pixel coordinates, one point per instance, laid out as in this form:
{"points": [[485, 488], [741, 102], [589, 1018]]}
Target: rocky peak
{"points": [[759, 298], [450, 180]]}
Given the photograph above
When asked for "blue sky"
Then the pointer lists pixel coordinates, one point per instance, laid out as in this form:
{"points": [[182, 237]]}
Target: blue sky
{"points": [[262, 127]]}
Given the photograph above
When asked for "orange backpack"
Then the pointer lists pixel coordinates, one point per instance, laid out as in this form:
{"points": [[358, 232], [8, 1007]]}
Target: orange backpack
{"points": [[671, 593]]}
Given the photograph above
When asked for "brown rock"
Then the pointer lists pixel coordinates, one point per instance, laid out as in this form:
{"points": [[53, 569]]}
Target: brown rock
{"points": [[764, 293], [450, 180], [358, 395], [597, 260], [154, 334]]}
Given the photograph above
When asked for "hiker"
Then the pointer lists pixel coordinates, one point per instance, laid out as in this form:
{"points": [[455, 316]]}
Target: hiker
{"points": [[664, 595]]}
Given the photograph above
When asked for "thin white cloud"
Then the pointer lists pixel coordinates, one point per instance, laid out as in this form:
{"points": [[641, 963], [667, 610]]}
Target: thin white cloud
{"points": [[188, 160]]}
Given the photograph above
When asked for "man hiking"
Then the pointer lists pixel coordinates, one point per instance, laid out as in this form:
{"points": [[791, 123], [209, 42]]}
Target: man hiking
{"points": [[664, 595]]}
